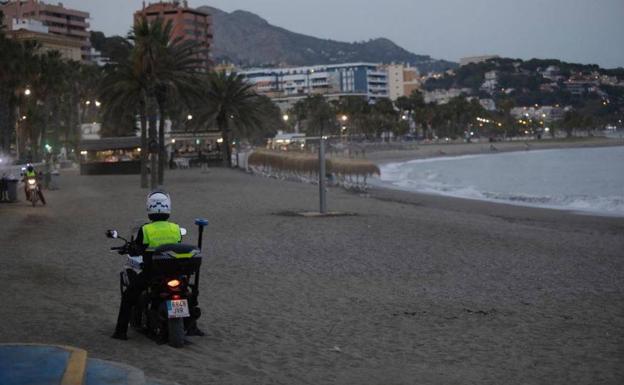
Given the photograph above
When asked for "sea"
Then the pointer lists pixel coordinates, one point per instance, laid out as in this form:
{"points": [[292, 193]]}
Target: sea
{"points": [[583, 180]]}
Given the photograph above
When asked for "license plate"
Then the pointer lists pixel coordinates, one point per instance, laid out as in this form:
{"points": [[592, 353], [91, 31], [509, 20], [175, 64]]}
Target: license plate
{"points": [[178, 308]]}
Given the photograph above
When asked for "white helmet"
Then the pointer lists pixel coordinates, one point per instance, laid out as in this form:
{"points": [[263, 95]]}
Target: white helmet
{"points": [[158, 202]]}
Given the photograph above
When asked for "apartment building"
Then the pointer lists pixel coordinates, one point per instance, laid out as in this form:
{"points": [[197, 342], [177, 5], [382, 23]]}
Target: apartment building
{"points": [[402, 80], [287, 85], [65, 23], [29, 30], [188, 23], [541, 113]]}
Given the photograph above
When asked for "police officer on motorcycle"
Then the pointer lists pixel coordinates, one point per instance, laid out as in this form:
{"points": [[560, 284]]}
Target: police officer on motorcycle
{"points": [[160, 231], [30, 173]]}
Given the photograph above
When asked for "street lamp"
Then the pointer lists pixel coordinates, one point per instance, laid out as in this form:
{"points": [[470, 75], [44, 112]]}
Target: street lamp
{"points": [[286, 118], [27, 91], [97, 104], [310, 71], [189, 117]]}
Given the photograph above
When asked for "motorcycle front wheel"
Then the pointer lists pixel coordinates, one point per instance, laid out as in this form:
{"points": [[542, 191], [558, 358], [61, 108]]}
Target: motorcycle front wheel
{"points": [[176, 332]]}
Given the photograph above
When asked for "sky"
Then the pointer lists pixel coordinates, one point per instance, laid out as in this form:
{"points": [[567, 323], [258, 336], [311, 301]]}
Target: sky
{"points": [[583, 31]]}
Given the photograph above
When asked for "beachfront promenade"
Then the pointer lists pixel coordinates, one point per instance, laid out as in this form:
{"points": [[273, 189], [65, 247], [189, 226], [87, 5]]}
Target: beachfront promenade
{"points": [[414, 289]]}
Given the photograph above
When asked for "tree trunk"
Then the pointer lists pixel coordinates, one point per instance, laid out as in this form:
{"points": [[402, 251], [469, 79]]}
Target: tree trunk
{"points": [[5, 123], [227, 156], [77, 129], [144, 149], [153, 150], [162, 157]]}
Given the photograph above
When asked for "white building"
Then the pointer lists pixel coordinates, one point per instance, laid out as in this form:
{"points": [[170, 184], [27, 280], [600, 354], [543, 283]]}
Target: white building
{"points": [[444, 96], [287, 85], [488, 104], [490, 84]]}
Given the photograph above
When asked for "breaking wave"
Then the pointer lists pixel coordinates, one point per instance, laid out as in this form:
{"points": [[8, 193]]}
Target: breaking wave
{"points": [[581, 180]]}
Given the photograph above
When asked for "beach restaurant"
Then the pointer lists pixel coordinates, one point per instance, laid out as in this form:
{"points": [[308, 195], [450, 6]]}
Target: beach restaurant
{"points": [[188, 149], [108, 156]]}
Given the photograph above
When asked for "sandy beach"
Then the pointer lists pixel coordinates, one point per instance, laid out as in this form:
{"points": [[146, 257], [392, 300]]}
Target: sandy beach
{"points": [[412, 289]]}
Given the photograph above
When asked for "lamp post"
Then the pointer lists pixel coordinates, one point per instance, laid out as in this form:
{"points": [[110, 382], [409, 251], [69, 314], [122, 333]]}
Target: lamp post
{"points": [[322, 175], [18, 117], [343, 127], [310, 71]]}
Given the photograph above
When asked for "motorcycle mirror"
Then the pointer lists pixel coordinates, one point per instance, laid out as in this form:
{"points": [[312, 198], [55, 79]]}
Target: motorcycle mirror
{"points": [[112, 234], [183, 231]]}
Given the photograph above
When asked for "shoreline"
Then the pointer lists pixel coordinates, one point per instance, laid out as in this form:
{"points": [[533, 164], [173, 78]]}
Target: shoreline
{"points": [[436, 150], [384, 158]]}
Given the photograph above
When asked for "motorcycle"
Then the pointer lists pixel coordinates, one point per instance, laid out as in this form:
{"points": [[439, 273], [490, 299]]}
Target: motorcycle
{"points": [[33, 190], [168, 307]]}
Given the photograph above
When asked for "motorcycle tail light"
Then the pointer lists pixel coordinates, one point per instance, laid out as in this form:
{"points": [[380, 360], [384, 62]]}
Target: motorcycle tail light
{"points": [[173, 283], [175, 296]]}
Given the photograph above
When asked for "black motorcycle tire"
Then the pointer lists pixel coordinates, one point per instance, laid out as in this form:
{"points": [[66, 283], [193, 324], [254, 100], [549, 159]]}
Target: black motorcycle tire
{"points": [[33, 198], [176, 332]]}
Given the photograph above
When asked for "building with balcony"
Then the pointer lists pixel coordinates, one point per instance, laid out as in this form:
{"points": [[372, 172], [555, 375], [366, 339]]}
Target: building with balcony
{"points": [[402, 80], [188, 23], [70, 24], [29, 30], [287, 85]]}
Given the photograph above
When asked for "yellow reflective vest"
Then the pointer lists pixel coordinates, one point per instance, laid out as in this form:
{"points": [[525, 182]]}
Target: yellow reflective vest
{"points": [[160, 233]]}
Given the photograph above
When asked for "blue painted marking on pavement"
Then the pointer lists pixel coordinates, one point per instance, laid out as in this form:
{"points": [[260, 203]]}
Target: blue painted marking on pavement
{"points": [[32, 365], [100, 373]]}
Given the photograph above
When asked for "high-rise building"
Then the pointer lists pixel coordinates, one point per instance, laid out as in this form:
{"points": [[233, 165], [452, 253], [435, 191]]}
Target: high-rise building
{"points": [[402, 80], [63, 22], [188, 23], [288, 85]]}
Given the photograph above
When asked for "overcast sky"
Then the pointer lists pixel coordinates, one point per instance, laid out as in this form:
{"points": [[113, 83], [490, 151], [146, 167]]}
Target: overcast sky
{"points": [[585, 31]]}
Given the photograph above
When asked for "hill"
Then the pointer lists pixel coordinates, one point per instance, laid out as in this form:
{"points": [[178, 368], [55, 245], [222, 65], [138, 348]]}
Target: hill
{"points": [[246, 39]]}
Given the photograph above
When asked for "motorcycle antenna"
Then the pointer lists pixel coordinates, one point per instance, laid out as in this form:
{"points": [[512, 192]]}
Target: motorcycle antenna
{"points": [[201, 223]]}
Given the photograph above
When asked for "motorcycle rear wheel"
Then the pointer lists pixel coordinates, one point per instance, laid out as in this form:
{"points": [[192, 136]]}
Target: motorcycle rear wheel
{"points": [[176, 332]]}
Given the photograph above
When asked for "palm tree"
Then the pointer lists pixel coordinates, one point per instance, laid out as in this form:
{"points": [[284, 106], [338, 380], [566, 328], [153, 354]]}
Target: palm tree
{"points": [[177, 80], [169, 68], [158, 71], [17, 70], [231, 102], [51, 68], [124, 88]]}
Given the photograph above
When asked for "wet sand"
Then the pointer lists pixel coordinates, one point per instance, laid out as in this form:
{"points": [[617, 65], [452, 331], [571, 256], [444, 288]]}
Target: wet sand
{"points": [[413, 289]]}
